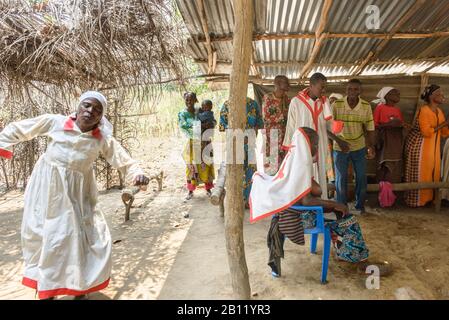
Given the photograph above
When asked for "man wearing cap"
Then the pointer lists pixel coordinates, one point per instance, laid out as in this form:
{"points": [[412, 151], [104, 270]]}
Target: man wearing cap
{"points": [[65, 239]]}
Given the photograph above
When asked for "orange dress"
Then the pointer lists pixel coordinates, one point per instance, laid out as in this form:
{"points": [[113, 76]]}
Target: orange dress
{"points": [[423, 155]]}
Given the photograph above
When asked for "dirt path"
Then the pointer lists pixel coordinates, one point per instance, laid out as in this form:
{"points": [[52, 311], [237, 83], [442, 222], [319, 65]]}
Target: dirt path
{"points": [[159, 254]]}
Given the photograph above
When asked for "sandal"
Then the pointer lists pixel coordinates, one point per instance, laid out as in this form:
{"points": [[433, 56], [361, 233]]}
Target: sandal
{"points": [[189, 195]]}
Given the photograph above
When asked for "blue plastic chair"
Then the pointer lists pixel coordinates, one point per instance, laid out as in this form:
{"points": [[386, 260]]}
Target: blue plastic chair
{"points": [[319, 228]]}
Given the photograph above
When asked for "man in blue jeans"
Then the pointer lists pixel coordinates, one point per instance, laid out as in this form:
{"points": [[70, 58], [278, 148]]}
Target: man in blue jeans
{"points": [[358, 132]]}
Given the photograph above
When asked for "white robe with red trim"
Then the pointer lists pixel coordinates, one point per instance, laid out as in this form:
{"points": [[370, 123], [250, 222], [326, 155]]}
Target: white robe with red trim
{"points": [[306, 112], [65, 239], [272, 194]]}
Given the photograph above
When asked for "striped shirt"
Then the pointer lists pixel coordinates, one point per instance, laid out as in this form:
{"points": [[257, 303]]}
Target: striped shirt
{"points": [[356, 121]]}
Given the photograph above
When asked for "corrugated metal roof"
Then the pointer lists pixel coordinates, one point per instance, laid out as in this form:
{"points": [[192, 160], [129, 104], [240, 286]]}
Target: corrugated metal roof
{"points": [[351, 16], [346, 50], [284, 17], [283, 50], [433, 16]]}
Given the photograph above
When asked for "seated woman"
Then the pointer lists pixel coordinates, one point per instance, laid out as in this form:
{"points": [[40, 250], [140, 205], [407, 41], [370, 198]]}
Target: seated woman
{"points": [[294, 184], [346, 233]]}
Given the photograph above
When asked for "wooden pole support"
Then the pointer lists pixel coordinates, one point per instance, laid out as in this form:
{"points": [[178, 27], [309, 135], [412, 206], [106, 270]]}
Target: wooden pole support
{"points": [[241, 60]]}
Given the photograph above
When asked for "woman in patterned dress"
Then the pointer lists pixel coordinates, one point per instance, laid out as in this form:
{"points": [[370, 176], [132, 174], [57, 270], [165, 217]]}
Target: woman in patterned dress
{"points": [[422, 146]]}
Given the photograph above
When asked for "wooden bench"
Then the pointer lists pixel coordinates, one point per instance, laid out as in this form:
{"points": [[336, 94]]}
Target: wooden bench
{"points": [[437, 186]]}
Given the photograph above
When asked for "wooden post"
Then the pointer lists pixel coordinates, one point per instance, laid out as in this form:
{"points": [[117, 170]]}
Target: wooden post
{"points": [[243, 30], [424, 82]]}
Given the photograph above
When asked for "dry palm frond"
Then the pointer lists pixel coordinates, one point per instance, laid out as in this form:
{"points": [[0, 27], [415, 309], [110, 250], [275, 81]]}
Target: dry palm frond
{"points": [[52, 50], [80, 44]]}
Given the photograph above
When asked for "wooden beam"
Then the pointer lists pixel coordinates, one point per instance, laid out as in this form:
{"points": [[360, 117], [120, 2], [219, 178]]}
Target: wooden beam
{"points": [[234, 213], [437, 60], [319, 38], [406, 186], [432, 48], [435, 63], [374, 53], [210, 51], [276, 36]]}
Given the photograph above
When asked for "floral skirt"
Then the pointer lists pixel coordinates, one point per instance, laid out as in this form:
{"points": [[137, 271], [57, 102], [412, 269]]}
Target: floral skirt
{"points": [[346, 234]]}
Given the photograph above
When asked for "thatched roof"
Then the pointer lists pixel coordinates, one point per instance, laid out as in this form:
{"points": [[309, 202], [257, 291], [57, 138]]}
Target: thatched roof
{"points": [[80, 44], [299, 37]]}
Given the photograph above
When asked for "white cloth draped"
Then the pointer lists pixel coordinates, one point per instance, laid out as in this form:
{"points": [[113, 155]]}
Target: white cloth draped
{"points": [[272, 194]]}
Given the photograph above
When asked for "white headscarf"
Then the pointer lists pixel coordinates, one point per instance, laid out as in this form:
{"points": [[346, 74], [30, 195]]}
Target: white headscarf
{"points": [[336, 96], [105, 125], [381, 95]]}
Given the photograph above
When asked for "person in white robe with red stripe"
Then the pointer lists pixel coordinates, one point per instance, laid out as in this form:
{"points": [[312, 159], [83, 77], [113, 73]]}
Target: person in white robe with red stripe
{"points": [[65, 239], [311, 109]]}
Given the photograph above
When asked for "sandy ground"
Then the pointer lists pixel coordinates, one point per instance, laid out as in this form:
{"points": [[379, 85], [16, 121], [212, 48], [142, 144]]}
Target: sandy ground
{"points": [[159, 254]]}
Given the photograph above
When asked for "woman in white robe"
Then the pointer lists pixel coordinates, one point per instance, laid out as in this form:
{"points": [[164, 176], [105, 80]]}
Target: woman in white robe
{"points": [[65, 239]]}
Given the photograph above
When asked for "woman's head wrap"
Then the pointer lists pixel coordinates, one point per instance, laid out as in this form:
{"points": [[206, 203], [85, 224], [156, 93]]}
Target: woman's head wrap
{"points": [[382, 94], [337, 96], [104, 125], [193, 94], [428, 92]]}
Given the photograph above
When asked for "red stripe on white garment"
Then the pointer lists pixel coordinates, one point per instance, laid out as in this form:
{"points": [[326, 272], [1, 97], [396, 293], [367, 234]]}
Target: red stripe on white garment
{"points": [[5, 154], [251, 219], [70, 122], [68, 125], [44, 294], [306, 192], [96, 133], [306, 103]]}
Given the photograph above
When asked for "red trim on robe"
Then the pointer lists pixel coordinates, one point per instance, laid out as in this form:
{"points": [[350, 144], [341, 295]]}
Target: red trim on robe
{"points": [[306, 192], [5, 154], [44, 294], [70, 122], [277, 210]]}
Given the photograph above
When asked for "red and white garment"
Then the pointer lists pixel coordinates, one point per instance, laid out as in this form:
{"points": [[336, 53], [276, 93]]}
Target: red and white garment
{"points": [[65, 239], [272, 194], [314, 114]]}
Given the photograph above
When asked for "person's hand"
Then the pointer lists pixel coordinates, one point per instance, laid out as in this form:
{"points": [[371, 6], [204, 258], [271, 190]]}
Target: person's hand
{"points": [[342, 208], [142, 181], [395, 122], [371, 154], [407, 126], [344, 146]]}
